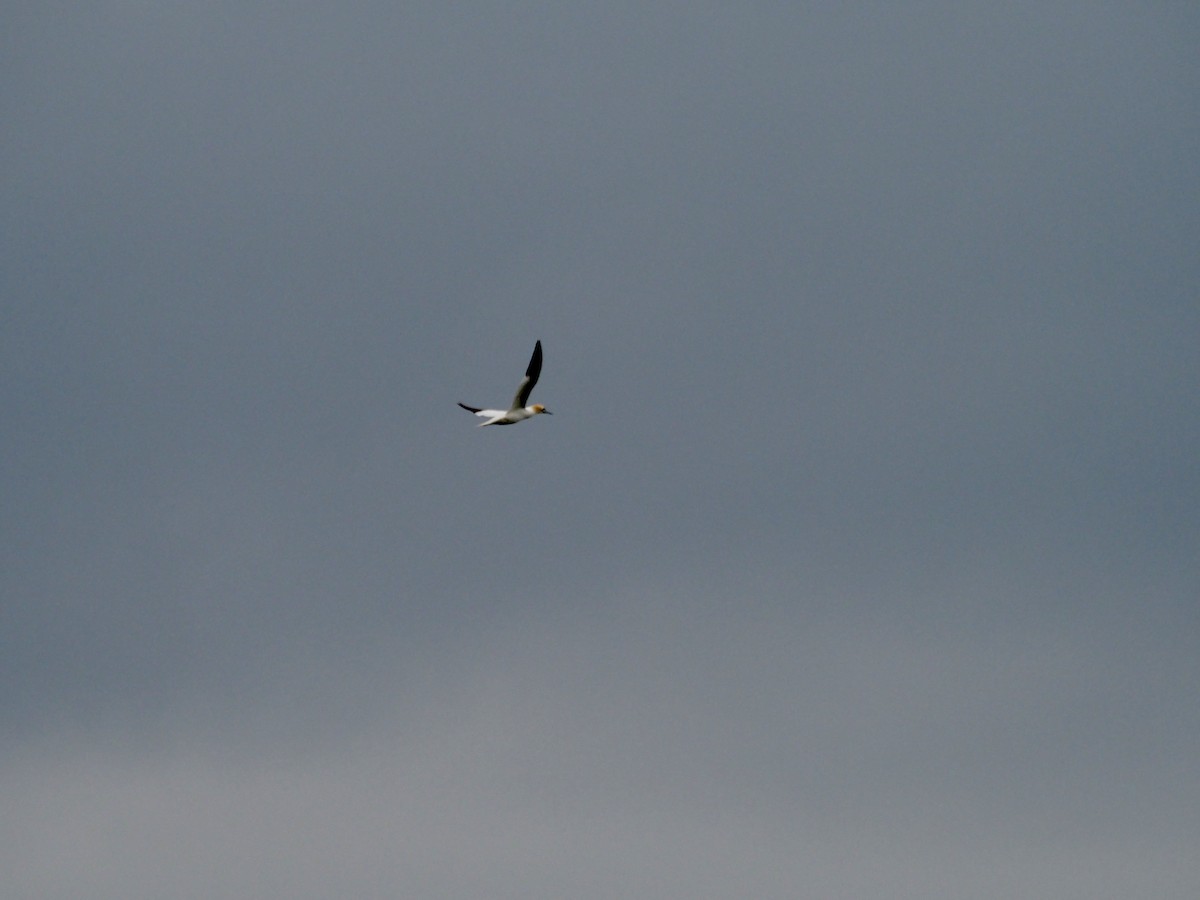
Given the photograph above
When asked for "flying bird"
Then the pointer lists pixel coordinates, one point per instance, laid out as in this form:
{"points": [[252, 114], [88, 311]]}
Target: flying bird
{"points": [[519, 412]]}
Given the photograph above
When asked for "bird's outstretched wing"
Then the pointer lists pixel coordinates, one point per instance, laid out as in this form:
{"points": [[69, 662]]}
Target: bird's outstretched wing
{"points": [[485, 413], [525, 388]]}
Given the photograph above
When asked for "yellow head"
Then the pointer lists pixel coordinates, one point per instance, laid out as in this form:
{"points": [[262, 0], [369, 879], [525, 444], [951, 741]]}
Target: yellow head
{"points": [[538, 408]]}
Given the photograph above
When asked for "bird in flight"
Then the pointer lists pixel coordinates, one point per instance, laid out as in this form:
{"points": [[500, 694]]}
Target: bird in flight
{"points": [[519, 412]]}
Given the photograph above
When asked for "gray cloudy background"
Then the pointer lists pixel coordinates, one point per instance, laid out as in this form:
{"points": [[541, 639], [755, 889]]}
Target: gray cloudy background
{"points": [[860, 559]]}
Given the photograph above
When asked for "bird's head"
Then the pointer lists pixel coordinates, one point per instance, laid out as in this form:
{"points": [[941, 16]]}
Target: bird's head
{"points": [[539, 409]]}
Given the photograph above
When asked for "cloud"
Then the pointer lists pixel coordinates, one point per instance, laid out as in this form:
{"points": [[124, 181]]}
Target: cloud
{"points": [[858, 557]]}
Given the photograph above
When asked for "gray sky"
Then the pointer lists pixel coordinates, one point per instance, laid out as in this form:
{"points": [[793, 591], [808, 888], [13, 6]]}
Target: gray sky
{"points": [[861, 557]]}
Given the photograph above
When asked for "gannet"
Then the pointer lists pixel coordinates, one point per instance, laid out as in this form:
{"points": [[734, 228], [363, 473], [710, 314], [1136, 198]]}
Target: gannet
{"points": [[519, 411]]}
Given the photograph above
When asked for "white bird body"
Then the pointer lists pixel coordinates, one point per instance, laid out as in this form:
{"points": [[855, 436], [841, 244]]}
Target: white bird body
{"points": [[504, 416], [518, 412]]}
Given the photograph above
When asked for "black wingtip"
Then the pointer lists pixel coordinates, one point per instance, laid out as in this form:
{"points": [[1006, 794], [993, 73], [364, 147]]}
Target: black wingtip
{"points": [[470, 409], [535, 362]]}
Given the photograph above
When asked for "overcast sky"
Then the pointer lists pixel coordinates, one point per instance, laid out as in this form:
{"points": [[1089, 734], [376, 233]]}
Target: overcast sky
{"points": [[861, 557]]}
